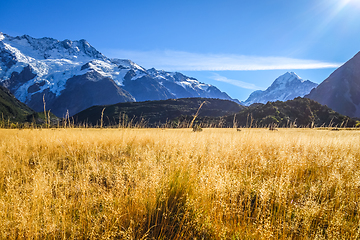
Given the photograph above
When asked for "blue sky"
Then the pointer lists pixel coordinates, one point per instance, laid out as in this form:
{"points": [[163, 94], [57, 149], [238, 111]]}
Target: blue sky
{"points": [[238, 46]]}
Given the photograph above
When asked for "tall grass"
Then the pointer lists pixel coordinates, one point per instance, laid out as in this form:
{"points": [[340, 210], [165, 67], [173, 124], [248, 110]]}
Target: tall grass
{"points": [[179, 184]]}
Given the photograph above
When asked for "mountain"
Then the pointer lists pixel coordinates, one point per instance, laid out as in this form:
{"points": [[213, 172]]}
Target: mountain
{"points": [[286, 87], [300, 112], [73, 76], [15, 113], [341, 90], [155, 113], [12, 109]]}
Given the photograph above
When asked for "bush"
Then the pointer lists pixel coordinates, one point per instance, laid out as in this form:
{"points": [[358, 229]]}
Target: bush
{"points": [[197, 128]]}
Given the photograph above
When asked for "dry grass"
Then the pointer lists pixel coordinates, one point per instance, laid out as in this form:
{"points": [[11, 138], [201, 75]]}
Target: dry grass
{"points": [[179, 184]]}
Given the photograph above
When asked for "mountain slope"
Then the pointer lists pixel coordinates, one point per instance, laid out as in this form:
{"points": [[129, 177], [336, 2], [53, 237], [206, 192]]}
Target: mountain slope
{"points": [[156, 112], [341, 90], [285, 87], [12, 109], [81, 92], [73, 75]]}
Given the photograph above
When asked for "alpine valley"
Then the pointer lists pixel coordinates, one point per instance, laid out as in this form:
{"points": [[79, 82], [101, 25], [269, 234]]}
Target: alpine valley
{"points": [[70, 76]]}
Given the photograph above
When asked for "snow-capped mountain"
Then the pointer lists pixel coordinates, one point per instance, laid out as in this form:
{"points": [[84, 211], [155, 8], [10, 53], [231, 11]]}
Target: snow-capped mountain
{"points": [[286, 87], [341, 90], [73, 75]]}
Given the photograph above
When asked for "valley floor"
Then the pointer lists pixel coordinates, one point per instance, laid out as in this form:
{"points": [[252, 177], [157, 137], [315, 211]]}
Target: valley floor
{"points": [[179, 184]]}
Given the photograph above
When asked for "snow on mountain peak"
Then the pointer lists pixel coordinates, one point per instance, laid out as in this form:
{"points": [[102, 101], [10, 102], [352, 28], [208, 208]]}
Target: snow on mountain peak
{"points": [[51, 61], [286, 87], [45, 48], [34, 67], [288, 77], [126, 63], [294, 75]]}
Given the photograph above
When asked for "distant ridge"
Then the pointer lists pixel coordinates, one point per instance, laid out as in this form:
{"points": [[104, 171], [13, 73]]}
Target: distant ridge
{"points": [[156, 112], [300, 112]]}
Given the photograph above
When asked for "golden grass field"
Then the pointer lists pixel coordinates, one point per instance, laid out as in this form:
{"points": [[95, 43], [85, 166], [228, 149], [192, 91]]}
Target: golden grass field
{"points": [[179, 184]]}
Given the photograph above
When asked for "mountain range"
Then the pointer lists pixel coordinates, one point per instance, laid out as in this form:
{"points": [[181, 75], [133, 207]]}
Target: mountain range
{"points": [[71, 76], [286, 87], [68, 77]]}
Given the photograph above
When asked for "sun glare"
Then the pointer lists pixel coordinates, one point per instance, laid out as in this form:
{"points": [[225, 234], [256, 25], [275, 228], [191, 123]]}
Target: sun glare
{"points": [[341, 7], [355, 3]]}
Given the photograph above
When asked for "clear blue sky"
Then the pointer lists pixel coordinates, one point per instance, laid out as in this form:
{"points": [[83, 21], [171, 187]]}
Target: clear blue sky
{"points": [[239, 46]]}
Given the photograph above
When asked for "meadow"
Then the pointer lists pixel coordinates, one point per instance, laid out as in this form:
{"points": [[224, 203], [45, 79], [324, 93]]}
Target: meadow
{"points": [[179, 184]]}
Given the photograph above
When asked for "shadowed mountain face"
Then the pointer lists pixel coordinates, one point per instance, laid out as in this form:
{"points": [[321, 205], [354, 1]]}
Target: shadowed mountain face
{"points": [[80, 93], [11, 108], [73, 75], [341, 90]]}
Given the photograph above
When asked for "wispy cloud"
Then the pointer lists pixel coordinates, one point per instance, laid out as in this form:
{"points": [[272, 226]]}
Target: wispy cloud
{"points": [[185, 61], [238, 83]]}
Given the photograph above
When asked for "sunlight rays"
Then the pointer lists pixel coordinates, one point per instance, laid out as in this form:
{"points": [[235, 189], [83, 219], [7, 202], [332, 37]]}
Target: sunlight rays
{"points": [[326, 16]]}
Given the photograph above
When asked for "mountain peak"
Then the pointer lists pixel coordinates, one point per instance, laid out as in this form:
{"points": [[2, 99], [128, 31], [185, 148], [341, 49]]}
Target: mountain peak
{"points": [[288, 77], [286, 87], [73, 75], [293, 74], [51, 48]]}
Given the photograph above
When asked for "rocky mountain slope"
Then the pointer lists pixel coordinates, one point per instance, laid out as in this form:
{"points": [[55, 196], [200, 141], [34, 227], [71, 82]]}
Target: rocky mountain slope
{"points": [[341, 90], [285, 87], [73, 75]]}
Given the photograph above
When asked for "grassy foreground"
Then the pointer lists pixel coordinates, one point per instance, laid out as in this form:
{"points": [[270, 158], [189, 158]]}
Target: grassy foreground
{"points": [[179, 184]]}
